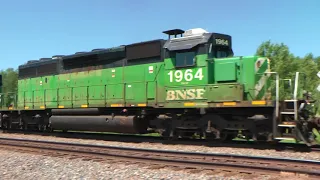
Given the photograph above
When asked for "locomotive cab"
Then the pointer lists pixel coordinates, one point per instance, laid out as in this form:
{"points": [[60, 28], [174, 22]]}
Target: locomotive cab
{"points": [[221, 46], [198, 41], [189, 60]]}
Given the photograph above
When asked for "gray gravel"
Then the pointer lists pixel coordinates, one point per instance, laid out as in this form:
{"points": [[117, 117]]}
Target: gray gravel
{"points": [[188, 148], [14, 165]]}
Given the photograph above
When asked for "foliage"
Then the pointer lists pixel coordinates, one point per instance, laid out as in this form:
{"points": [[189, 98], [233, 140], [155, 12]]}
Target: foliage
{"points": [[10, 84], [287, 64]]}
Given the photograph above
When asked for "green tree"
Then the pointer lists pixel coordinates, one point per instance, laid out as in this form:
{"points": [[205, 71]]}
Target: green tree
{"points": [[10, 85], [286, 64], [317, 60], [282, 62]]}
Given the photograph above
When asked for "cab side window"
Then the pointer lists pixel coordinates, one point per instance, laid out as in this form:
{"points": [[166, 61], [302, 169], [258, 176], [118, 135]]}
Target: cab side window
{"points": [[184, 59], [220, 52]]}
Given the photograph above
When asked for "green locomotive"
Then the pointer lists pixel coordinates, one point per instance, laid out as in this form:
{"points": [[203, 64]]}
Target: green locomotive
{"points": [[189, 84]]}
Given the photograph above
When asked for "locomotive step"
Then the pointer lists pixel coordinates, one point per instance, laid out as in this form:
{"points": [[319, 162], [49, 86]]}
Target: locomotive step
{"points": [[285, 138], [290, 100], [288, 112], [187, 128], [286, 125], [288, 135]]}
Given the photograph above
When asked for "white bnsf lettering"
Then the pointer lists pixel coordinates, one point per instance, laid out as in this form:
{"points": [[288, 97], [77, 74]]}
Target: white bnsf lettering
{"points": [[185, 94], [222, 42]]}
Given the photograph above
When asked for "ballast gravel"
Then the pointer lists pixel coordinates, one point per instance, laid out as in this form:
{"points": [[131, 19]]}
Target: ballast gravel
{"points": [[178, 147], [24, 166]]}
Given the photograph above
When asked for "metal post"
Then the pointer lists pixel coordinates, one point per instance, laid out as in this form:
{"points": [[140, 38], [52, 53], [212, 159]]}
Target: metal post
{"points": [[296, 82], [295, 94], [275, 120], [277, 91], [277, 95]]}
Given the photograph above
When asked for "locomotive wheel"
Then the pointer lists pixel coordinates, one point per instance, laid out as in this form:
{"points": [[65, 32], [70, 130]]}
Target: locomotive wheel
{"points": [[302, 132], [210, 136], [40, 127], [24, 126], [226, 135], [1, 125]]}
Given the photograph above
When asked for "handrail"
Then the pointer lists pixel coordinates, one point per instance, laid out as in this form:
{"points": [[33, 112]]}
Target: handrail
{"points": [[295, 94], [277, 91], [296, 83], [275, 120]]}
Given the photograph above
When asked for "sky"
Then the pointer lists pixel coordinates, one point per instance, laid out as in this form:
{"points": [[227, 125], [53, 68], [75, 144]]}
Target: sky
{"points": [[34, 29]]}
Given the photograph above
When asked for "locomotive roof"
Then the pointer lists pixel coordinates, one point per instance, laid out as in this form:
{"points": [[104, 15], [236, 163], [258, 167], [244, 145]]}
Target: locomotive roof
{"points": [[94, 52], [98, 51], [174, 44], [33, 63], [189, 42]]}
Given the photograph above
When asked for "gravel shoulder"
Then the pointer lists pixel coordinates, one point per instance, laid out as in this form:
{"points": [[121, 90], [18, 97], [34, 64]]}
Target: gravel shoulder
{"points": [[188, 148], [25, 166], [22, 166]]}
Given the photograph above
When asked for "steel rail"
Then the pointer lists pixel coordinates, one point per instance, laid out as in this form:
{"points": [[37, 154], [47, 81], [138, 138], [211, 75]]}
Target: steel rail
{"points": [[164, 140], [207, 161]]}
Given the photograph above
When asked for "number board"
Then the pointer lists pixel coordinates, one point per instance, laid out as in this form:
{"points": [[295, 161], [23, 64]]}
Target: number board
{"points": [[185, 76], [222, 42]]}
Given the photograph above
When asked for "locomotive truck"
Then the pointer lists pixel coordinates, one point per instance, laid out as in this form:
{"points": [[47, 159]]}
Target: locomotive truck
{"points": [[189, 84]]}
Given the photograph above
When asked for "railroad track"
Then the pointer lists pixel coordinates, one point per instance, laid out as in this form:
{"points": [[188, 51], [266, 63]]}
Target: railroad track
{"points": [[194, 142], [158, 158]]}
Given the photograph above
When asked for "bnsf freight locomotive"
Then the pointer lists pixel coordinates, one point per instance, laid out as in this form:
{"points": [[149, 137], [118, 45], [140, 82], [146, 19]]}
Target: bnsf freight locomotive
{"points": [[190, 84]]}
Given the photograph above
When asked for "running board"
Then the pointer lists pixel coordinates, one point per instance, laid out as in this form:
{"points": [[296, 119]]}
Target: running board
{"points": [[285, 138], [286, 125], [288, 112]]}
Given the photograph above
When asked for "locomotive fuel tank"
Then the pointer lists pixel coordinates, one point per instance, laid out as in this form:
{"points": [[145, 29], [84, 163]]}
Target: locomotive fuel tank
{"points": [[104, 123]]}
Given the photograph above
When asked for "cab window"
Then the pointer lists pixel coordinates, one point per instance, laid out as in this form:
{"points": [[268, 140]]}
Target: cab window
{"points": [[185, 59], [220, 52]]}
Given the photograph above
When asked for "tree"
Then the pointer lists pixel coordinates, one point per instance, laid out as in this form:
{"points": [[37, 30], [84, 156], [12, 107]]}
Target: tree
{"points": [[281, 61], [317, 60], [10, 85], [286, 64]]}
